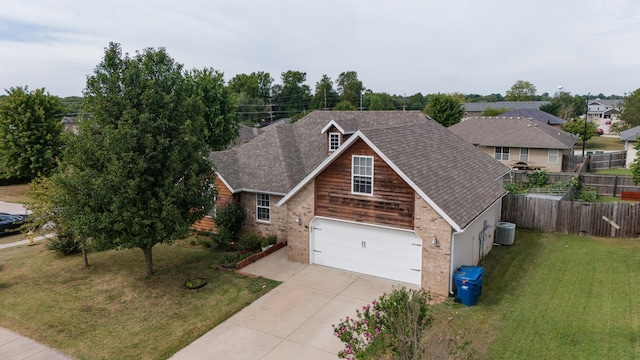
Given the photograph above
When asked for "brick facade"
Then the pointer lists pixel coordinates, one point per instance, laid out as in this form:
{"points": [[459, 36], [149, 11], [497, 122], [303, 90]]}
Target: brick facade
{"points": [[277, 224], [298, 238], [435, 258]]}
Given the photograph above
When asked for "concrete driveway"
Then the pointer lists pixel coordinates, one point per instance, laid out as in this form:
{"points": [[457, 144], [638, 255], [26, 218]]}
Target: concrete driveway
{"points": [[293, 321]]}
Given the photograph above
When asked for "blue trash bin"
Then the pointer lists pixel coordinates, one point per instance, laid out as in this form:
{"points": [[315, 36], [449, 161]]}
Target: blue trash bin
{"points": [[469, 284]]}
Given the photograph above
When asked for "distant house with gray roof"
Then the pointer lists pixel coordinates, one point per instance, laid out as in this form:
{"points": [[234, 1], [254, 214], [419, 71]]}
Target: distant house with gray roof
{"points": [[392, 194], [604, 109], [536, 114], [476, 109], [519, 143]]}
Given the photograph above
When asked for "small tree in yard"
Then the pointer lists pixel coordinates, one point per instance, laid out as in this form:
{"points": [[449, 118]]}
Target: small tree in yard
{"points": [[391, 327], [228, 219], [137, 173]]}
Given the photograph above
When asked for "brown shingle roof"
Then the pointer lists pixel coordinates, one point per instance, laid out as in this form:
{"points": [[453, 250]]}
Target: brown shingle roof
{"points": [[278, 159], [457, 177], [512, 132]]}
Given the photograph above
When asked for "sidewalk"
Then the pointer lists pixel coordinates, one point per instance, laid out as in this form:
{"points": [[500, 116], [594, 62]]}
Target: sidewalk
{"points": [[16, 347], [26, 242]]}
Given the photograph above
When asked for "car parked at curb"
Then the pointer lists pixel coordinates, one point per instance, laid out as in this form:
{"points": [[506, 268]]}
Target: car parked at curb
{"points": [[10, 222]]}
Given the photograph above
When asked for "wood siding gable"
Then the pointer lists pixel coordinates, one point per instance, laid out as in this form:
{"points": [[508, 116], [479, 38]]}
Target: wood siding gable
{"points": [[392, 203]]}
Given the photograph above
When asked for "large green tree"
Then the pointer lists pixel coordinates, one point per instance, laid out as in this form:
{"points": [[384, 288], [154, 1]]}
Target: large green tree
{"points": [[577, 127], [294, 95], [30, 133], [137, 173], [568, 107], [521, 91], [381, 101], [630, 114], [444, 108], [326, 97], [350, 88]]}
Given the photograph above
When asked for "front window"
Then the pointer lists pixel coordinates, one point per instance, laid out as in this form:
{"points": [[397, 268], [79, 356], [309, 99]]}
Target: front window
{"points": [[262, 207], [362, 175], [524, 154], [334, 141], [502, 153], [553, 156]]}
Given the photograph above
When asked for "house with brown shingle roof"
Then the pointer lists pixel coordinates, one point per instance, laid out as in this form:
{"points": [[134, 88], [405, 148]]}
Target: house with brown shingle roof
{"points": [[386, 193], [519, 143]]}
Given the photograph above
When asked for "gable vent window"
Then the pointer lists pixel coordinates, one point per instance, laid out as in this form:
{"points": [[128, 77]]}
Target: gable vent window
{"points": [[262, 207], [334, 141], [362, 175]]}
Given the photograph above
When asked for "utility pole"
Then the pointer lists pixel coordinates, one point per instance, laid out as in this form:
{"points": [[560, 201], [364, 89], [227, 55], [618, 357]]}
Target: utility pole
{"points": [[325, 98], [586, 117], [270, 111]]}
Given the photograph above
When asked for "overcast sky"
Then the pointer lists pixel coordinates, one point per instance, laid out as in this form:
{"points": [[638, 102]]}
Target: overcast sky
{"points": [[398, 47]]}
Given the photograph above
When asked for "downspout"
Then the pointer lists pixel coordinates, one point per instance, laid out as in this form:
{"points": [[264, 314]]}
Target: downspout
{"points": [[453, 256]]}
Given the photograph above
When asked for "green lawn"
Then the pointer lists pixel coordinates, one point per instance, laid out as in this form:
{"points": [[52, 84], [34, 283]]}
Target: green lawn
{"points": [[111, 310], [611, 172], [552, 296], [601, 143]]}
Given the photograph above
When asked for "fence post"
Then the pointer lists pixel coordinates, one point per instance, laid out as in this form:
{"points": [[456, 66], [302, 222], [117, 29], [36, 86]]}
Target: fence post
{"points": [[615, 185]]}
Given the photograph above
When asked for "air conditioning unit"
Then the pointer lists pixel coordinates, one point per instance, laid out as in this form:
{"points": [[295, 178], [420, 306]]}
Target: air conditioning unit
{"points": [[505, 233]]}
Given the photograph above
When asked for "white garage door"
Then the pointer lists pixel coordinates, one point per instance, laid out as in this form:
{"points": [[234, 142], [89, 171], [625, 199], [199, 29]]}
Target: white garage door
{"points": [[374, 250]]}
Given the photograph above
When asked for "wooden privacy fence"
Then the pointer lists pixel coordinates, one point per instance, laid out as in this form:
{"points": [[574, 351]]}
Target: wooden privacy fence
{"points": [[614, 219], [609, 185], [607, 160]]}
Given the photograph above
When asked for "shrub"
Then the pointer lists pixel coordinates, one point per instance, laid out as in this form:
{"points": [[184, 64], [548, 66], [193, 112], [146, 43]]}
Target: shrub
{"points": [[65, 243], [587, 194], [250, 242], [537, 179], [228, 219], [269, 240], [394, 323]]}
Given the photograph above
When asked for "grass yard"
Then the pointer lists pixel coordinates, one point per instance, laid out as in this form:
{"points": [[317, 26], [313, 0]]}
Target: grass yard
{"points": [[601, 143], [552, 296], [111, 310], [14, 193], [611, 172]]}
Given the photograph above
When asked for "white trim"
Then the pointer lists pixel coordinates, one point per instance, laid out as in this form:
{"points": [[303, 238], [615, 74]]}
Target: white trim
{"points": [[224, 182], [352, 175], [328, 126], [331, 134], [359, 135], [323, 165]]}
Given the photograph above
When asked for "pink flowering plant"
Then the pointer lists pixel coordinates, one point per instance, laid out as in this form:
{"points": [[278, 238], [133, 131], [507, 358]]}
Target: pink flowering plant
{"points": [[392, 325]]}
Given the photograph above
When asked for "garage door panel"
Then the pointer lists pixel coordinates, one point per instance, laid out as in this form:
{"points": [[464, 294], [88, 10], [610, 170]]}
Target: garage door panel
{"points": [[369, 249]]}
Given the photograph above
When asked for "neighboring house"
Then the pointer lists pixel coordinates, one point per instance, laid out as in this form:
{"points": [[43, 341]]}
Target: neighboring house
{"points": [[388, 193], [517, 142], [476, 109], [536, 114], [248, 133], [69, 123], [604, 109], [630, 138]]}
